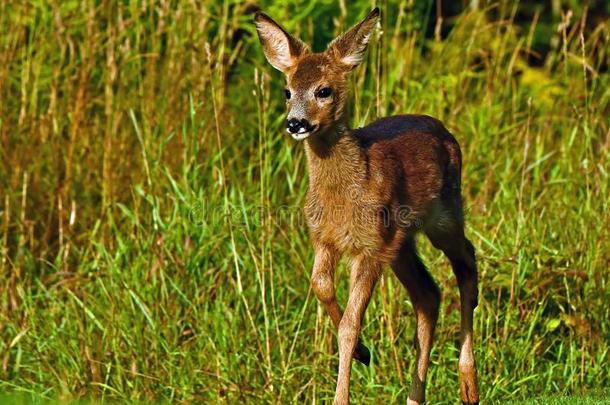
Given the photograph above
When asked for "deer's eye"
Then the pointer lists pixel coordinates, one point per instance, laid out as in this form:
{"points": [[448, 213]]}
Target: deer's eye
{"points": [[324, 92], [288, 95]]}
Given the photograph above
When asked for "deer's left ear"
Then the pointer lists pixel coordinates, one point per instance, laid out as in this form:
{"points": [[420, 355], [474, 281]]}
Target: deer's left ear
{"points": [[349, 48], [281, 49]]}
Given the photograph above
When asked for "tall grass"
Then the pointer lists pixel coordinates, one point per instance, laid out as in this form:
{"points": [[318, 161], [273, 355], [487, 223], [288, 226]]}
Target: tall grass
{"points": [[151, 238]]}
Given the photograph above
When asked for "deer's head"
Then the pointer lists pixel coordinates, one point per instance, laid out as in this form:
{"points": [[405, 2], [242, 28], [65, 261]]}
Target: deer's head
{"points": [[316, 82]]}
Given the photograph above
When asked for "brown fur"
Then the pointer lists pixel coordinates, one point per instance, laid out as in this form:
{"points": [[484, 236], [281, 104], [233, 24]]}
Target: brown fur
{"points": [[371, 190]]}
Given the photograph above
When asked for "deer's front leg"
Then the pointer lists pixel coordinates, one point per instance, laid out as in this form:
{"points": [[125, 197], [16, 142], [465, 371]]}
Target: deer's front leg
{"points": [[323, 286], [323, 281], [365, 273]]}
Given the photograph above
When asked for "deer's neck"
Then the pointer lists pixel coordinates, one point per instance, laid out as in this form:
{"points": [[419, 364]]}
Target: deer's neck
{"points": [[336, 162]]}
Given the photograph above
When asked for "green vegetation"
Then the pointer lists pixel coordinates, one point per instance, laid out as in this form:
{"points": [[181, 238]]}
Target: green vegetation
{"points": [[152, 247]]}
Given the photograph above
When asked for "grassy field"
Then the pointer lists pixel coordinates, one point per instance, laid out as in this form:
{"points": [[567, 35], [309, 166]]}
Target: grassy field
{"points": [[151, 238]]}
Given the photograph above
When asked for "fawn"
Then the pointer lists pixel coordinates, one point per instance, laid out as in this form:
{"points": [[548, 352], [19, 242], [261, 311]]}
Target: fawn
{"points": [[370, 191]]}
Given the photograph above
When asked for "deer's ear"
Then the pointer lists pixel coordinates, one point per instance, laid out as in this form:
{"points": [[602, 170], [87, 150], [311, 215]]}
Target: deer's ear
{"points": [[281, 49], [349, 48]]}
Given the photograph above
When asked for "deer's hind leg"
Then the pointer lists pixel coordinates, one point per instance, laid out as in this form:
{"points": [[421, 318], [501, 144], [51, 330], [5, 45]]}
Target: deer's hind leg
{"points": [[323, 286], [460, 252], [425, 297]]}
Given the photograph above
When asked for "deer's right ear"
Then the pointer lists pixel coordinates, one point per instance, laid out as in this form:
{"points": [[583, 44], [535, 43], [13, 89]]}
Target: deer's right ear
{"points": [[281, 49], [349, 48]]}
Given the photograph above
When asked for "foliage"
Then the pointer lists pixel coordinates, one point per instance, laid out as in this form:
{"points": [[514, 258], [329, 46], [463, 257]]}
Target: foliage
{"points": [[151, 237]]}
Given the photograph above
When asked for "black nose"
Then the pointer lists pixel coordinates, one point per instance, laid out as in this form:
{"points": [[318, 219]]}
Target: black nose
{"points": [[294, 125]]}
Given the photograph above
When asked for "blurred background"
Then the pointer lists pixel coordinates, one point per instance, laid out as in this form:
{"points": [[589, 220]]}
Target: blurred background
{"points": [[151, 243]]}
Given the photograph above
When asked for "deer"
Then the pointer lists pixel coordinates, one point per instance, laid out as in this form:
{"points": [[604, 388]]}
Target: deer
{"points": [[370, 191]]}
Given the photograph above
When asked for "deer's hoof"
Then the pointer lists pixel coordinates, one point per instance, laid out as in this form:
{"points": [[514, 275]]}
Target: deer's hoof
{"points": [[469, 390], [362, 354]]}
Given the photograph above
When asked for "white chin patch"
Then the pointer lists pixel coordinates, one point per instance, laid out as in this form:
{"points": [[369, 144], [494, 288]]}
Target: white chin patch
{"points": [[300, 135]]}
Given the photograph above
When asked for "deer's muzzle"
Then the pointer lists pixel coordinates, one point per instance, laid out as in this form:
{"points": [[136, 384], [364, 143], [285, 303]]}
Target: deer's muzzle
{"points": [[299, 129]]}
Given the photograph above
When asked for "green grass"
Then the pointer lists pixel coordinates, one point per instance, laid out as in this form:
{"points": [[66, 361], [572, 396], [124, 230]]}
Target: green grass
{"points": [[152, 242], [581, 400]]}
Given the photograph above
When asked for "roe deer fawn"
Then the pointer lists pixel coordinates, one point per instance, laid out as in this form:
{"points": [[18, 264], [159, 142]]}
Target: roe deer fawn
{"points": [[371, 189]]}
